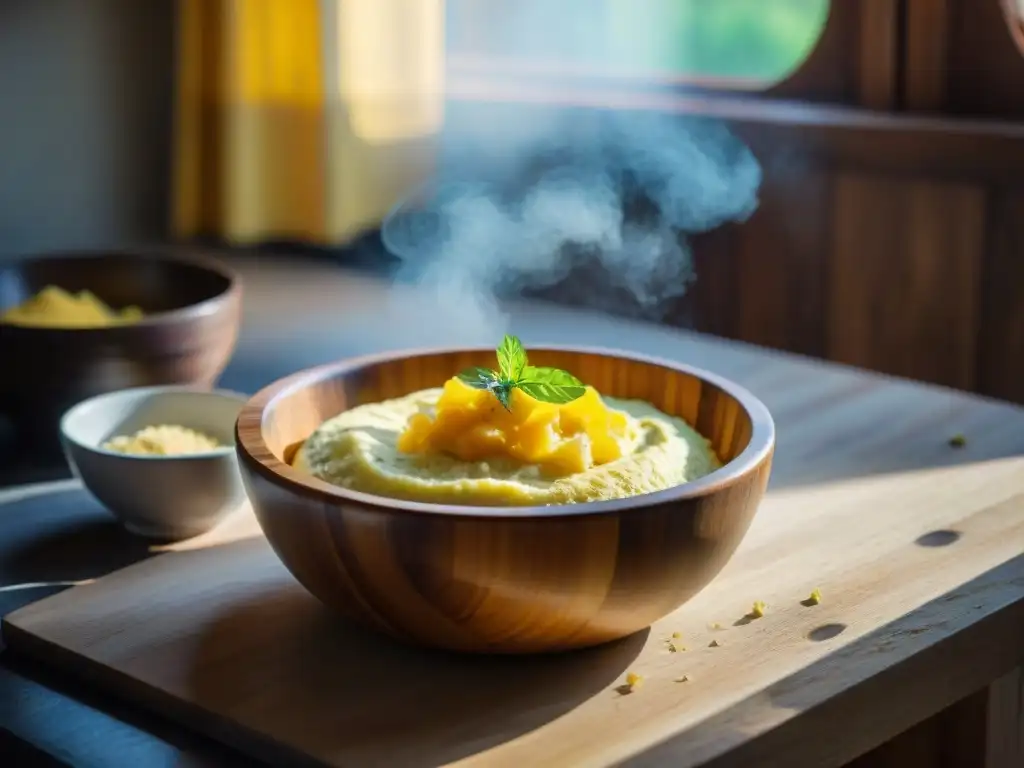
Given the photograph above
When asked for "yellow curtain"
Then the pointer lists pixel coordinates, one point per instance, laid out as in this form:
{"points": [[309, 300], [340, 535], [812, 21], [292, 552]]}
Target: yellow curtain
{"points": [[303, 119]]}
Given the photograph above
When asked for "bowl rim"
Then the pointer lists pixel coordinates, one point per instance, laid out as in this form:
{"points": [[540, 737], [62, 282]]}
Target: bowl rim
{"points": [[204, 308], [158, 389], [252, 448]]}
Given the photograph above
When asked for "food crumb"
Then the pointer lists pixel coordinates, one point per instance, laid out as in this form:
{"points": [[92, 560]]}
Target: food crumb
{"points": [[714, 644], [814, 599], [673, 644], [716, 625], [758, 610], [683, 679], [957, 441], [633, 681]]}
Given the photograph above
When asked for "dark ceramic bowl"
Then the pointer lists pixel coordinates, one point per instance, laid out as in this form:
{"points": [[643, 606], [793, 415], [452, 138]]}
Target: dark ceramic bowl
{"points": [[192, 308], [504, 579]]}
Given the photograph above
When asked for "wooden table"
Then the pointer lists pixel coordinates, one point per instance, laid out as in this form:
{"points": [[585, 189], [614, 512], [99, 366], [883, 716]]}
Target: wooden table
{"points": [[927, 683]]}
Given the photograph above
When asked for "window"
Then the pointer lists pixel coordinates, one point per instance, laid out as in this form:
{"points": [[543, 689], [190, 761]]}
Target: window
{"points": [[731, 43]]}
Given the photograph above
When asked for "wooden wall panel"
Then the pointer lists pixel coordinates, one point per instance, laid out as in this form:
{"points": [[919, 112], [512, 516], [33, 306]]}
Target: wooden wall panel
{"points": [[879, 52], [1001, 335], [707, 301], [985, 68], [903, 287], [780, 263], [927, 55], [762, 280], [961, 58]]}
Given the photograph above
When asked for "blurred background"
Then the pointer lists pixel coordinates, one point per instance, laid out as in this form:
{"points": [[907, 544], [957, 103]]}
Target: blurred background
{"points": [[875, 221]]}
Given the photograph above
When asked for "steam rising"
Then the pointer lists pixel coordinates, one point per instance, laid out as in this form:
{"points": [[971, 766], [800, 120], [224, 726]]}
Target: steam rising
{"points": [[519, 200]]}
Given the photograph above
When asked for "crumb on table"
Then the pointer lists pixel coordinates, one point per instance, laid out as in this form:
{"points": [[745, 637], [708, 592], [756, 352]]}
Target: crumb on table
{"points": [[814, 599], [958, 441]]}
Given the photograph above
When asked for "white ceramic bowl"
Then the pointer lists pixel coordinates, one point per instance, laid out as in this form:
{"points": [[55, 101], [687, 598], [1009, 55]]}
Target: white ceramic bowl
{"points": [[158, 497]]}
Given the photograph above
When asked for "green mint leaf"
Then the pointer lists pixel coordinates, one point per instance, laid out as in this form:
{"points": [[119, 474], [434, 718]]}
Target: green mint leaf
{"points": [[503, 391], [478, 378], [551, 385], [557, 376], [511, 358]]}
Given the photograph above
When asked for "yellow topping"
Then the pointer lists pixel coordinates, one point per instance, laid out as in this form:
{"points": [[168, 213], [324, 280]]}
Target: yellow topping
{"points": [[164, 440], [815, 597], [633, 680], [758, 610], [359, 449], [54, 307], [471, 425]]}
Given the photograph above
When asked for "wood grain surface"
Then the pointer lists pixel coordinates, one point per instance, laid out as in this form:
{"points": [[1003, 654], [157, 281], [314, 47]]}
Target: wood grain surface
{"points": [[905, 276], [915, 546], [512, 579]]}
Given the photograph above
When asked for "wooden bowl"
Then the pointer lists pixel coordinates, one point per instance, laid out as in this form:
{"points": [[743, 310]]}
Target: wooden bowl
{"points": [[193, 310], [504, 579]]}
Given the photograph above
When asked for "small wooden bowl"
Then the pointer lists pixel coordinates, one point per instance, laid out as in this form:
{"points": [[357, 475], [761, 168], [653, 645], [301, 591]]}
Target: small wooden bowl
{"points": [[193, 311], [504, 579]]}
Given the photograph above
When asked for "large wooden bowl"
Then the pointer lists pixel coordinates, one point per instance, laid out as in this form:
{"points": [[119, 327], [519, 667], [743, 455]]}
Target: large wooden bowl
{"points": [[506, 579], [193, 311]]}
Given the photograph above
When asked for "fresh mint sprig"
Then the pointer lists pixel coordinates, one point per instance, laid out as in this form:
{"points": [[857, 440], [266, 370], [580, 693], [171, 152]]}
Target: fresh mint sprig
{"points": [[549, 385]]}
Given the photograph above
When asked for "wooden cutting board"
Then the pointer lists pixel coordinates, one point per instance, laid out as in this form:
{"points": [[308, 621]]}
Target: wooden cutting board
{"points": [[915, 545]]}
